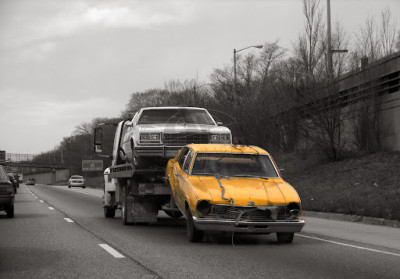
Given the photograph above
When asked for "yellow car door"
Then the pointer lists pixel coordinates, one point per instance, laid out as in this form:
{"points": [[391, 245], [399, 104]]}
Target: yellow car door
{"points": [[181, 176]]}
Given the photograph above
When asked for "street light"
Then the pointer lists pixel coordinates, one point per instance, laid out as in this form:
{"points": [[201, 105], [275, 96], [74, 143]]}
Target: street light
{"points": [[330, 63], [234, 82], [329, 42], [234, 65]]}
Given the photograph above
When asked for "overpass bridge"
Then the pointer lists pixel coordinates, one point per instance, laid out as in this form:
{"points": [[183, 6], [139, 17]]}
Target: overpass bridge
{"points": [[43, 172]]}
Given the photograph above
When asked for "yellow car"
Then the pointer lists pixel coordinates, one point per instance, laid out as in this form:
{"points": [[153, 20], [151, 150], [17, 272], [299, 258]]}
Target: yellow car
{"points": [[223, 187]]}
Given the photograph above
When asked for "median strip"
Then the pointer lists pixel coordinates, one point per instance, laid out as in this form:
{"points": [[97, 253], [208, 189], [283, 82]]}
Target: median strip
{"points": [[112, 251]]}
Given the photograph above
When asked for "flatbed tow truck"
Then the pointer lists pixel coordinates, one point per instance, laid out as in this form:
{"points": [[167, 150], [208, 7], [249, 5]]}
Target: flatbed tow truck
{"points": [[135, 182]]}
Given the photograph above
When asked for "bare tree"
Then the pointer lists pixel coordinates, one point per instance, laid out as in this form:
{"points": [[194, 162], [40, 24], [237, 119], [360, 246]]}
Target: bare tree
{"points": [[84, 128], [271, 54], [387, 32], [340, 41], [308, 49], [398, 41], [368, 44]]}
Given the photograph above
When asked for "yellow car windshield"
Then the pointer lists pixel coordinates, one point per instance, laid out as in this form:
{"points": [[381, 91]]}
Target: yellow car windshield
{"points": [[233, 165]]}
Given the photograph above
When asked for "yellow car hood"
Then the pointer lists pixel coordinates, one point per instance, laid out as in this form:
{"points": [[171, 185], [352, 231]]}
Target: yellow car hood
{"points": [[244, 191]]}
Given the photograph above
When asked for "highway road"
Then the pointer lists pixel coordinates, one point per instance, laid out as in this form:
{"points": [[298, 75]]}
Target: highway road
{"points": [[61, 233]]}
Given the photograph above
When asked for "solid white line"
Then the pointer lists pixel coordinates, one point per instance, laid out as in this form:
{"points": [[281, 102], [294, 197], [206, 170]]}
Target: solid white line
{"points": [[68, 220], [112, 251], [349, 245], [51, 208]]}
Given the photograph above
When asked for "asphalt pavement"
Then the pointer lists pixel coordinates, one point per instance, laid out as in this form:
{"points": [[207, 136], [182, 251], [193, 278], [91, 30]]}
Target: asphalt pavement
{"points": [[61, 233]]}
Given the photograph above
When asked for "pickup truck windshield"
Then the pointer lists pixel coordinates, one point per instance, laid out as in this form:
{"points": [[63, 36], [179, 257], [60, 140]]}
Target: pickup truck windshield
{"points": [[233, 165], [178, 116]]}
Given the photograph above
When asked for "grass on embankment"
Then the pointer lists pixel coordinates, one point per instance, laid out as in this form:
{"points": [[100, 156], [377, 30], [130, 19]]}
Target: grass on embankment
{"points": [[366, 186]]}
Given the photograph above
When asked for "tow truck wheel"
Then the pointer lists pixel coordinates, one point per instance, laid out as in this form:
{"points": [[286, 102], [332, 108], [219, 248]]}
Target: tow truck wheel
{"points": [[10, 211], [193, 234], [285, 237], [174, 214], [109, 212]]}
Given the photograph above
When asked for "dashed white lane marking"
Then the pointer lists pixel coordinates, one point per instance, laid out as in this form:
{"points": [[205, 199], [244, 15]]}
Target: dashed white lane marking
{"points": [[41, 201], [112, 251], [51, 208], [69, 220], [349, 245], [35, 197]]}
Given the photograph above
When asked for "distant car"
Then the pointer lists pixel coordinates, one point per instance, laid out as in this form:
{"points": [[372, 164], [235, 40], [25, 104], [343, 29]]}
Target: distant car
{"points": [[31, 181], [7, 194], [76, 181], [14, 182], [233, 188]]}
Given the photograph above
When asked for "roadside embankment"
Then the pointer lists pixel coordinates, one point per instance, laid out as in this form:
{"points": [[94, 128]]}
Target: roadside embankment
{"points": [[364, 186]]}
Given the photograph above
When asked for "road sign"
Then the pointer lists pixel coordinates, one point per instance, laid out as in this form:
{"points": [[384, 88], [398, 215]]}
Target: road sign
{"points": [[92, 165], [2, 156]]}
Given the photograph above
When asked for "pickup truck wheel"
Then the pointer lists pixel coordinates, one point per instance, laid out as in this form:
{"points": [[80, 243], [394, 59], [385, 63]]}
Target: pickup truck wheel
{"points": [[285, 237], [174, 214], [193, 234], [10, 211], [109, 212]]}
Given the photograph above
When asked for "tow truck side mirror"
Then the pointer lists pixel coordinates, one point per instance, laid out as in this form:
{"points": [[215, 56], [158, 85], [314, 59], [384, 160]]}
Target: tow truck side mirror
{"points": [[98, 139]]}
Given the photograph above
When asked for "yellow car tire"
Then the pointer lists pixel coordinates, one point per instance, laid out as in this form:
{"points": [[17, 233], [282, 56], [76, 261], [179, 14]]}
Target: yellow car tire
{"points": [[193, 234]]}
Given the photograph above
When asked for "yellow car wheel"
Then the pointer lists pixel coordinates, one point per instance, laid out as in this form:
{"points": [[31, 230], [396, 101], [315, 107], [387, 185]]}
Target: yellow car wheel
{"points": [[193, 234]]}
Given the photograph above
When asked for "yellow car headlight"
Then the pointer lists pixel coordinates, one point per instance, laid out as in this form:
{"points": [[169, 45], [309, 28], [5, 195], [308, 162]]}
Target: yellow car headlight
{"points": [[203, 207]]}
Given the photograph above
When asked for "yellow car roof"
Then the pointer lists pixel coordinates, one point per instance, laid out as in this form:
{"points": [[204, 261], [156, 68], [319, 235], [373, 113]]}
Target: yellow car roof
{"points": [[227, 148]]}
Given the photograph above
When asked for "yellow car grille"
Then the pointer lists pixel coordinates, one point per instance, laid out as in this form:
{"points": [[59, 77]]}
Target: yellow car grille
{"points": [[250, 213]]}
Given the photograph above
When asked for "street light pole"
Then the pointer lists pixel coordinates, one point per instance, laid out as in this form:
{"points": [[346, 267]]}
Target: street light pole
{"points": [[330, 64], [330, 68], [234, 74], [234, 67], [236, 99]]}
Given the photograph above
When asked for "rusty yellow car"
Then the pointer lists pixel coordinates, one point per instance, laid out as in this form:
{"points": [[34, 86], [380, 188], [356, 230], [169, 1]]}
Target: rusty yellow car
{"points": [[224, 187]]}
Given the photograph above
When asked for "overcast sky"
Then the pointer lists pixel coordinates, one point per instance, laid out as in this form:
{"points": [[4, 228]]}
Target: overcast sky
{"points": [[63, 63]]}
